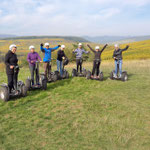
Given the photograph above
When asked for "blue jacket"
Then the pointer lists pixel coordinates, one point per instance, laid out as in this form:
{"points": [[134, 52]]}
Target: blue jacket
{"points": [[47, 53]]}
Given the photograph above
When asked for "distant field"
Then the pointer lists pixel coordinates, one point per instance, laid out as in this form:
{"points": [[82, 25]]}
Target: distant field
{"points": [[138, 50], [81, 114]]}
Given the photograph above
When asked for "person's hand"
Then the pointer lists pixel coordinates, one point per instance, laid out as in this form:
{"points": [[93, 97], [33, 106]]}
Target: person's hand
{"points": [[59, 45], [114, 57], [42, 44], [63, 58], [11, 67], [41, 61], [32, 62], [106, 44], [88, 45]]}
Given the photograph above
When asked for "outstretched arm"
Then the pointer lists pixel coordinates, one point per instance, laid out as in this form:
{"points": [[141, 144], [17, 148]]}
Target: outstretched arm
{"points": [[104, 47], [55, 48], [91, 48], [125, 48]]}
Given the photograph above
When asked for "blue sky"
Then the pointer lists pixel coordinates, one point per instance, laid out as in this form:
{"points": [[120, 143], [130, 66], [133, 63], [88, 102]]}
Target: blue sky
{"points": [[79, 17]]}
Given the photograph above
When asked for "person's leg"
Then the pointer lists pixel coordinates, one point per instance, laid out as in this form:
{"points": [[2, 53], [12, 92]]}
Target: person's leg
{"points": [[81, 65], [77, 63], [15, 79], [58, 65], [94, 66], [32, 74], [45, 69], [116, 68], [97, 69], [61, 71], [37, 74], [49, 67], [120, 67], [10, 81]]}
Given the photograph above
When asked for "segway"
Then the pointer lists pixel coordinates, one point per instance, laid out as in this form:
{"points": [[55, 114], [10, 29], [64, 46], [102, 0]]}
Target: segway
{"points": [[19, 91], [124, 76], [64, 71], [40, 79], [99, 78]]}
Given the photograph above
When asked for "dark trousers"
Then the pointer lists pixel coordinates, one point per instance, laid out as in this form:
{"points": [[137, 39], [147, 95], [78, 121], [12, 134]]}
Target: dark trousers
{"points": [[12, 81], [47, 68], [79, 64], [33, 70], [96, 65]]}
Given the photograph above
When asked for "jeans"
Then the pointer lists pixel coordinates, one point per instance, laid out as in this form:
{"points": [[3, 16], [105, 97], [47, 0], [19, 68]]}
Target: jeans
{"points": [[59, 67], [32, 70], [118, 62]]}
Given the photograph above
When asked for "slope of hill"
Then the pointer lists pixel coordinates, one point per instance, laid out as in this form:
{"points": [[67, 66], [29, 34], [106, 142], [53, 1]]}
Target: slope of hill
{"points": [[80, 114], [6, 36], [70, 38], [120, 39]]}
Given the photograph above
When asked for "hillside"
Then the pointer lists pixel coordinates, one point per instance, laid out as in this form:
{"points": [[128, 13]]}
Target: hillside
{"points": [[81, 114], [114, 39]]}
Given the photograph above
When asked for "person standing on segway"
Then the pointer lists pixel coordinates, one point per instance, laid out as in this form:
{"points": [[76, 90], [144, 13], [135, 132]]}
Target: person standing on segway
{"points": [[32, 58], [47, 57], [12, 69], [117, 55], [79, 52], [60, 56], [97, 59]]}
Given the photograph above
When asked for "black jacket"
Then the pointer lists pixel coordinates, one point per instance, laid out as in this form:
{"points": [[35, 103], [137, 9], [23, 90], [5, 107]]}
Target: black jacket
{"points": [[60, 55], [10, 60], [97, 53], [118, 53]]}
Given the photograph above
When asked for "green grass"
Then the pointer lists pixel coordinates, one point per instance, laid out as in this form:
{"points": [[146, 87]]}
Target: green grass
{"points": [[76, 113]]}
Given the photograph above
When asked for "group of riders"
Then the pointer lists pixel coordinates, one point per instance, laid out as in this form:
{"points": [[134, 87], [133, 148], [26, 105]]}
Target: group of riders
{"points": [[12, 68]]}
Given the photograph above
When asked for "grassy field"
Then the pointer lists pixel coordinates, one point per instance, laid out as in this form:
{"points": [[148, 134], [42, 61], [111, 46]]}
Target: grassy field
{"points": [[80, 114]]}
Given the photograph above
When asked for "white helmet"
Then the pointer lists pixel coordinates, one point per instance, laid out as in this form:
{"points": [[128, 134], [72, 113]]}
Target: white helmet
{"points": [[80, 44], [116, 45], [62, 46], [12, 46], [97, 47], [46, 44], [31, 47]]}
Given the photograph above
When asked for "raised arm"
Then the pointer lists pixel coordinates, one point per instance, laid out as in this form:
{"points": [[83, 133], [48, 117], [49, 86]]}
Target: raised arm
{"points": [[125, 48], [91, 48], [41, 47], [104, 47], [55, 48]]}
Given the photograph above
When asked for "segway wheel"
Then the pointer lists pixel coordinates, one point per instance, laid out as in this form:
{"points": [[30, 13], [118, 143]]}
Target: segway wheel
{"points": [[24, 90], [84, 72], [54, 77], [88, 75], [67, 74], [112, 75], [101, 76], [124, 77], [28, 84], [4, 94], [74, 73], [44, 84]]}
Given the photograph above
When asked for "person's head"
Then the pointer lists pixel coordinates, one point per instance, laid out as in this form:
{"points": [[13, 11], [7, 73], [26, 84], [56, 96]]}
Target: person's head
{"points": [[116, 46], [32, 49], [97, 48], [62, 47], [13, 48], [46, 45], [80, 45]]}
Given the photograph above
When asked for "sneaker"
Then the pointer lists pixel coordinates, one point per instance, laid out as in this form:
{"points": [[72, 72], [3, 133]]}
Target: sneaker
{"points": [[92, 76], [120, 76], [115, 76]]}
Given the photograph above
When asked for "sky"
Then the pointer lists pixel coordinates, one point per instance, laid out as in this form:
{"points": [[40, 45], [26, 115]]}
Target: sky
{"points": [[75, 17]]}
